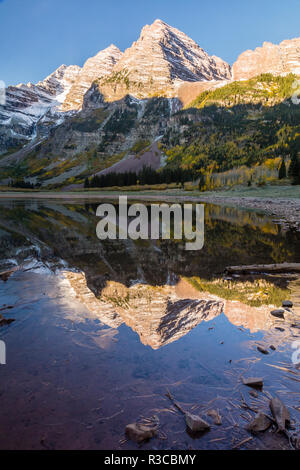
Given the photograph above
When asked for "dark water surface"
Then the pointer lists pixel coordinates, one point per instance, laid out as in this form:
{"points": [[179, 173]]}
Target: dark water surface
{"points": [[78, 372]]}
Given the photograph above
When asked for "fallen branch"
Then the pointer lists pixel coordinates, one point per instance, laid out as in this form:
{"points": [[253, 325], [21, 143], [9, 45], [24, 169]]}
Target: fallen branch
{"points": [[264, 268], [175, 403]]}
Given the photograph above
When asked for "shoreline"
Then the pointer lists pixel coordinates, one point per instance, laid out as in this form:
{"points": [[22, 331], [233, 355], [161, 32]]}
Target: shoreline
{"points": [[286, 209]]}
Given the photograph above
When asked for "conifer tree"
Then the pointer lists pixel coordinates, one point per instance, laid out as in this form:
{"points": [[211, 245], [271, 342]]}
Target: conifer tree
{"points": [[282, 170], [294, 169]]}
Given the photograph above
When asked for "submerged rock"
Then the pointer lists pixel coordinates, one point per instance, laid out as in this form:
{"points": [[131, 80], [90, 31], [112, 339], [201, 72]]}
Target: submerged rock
{"points": [[6, 321], [215, 416], [195, 423], [138, 432], [262, 350], [280, 413], [260, 423], [256, 382]]}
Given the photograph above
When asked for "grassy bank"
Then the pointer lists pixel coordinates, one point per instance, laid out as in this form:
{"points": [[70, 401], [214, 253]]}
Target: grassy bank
{"points": [[268, 192]]}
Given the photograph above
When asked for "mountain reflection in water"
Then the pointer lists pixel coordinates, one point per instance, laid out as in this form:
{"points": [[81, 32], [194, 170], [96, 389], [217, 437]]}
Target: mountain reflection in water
{"points": [[75, 297], [134, 281]]}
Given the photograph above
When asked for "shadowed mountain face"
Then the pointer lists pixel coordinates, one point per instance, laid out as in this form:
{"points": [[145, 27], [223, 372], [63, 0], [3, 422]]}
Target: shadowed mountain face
{"points": [[140, 283]]}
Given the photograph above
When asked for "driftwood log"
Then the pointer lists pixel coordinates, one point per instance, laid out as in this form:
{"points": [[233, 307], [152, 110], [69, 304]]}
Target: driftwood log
{"points": [[286, 268]]}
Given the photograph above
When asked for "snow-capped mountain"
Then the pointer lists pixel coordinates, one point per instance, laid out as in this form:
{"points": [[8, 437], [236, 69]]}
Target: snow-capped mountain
{"points": [[25, 105], [48, 100]]}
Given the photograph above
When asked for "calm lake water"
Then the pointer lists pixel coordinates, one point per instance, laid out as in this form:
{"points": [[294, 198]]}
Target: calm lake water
{"points": [[80, 367]]}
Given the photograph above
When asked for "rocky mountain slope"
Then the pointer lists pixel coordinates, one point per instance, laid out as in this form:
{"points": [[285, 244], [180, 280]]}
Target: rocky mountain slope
{"points": [[101, 65], [242, 123], [158, 62], [91, 141], [270, 58], [26, 105], [47, 102]]}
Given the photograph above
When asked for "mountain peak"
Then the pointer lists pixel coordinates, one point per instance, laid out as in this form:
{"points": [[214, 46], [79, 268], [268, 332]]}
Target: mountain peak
{"points": [[160, 24], [158, 21], [159, 27], [163, 57], [111, 49]]}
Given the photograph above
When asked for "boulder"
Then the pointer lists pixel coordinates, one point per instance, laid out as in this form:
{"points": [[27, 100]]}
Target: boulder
{"points": [[280, 413], [195, 423], [256, 382], [262, 350], [215, 416], [260, 423], [138, 432], [278, 313]]}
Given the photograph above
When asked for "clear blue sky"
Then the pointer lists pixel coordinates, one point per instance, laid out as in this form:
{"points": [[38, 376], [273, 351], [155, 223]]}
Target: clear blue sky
{"points": [[36, 36]]}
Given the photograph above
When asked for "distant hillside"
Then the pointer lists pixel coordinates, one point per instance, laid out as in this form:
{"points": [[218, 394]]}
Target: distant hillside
{"points": [[242, 123], [265, 89]]}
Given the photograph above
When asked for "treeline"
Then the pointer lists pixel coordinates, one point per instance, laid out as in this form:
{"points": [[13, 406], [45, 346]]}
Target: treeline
{"points": [[146, 176], [21, 183], [294, 169]]}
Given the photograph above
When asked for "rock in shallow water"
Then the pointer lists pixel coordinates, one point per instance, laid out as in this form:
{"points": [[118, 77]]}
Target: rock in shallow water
{"points": [[256, 382], [287, 303], [280, 413], [138, 432], [262, 350], [260, 423], [215, 416], [195, 423], [278, 313]]}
